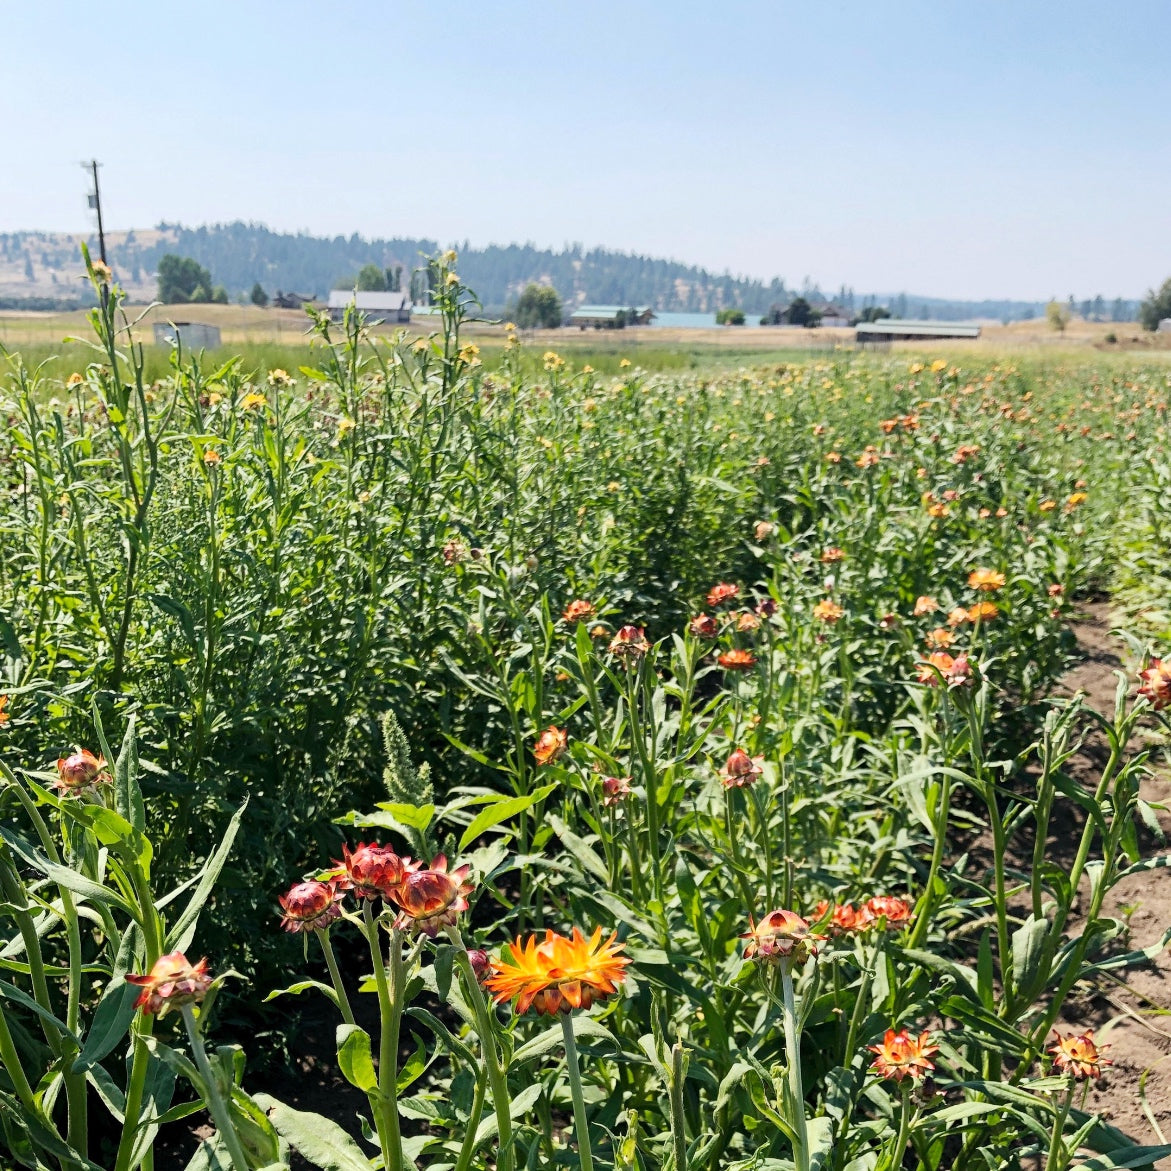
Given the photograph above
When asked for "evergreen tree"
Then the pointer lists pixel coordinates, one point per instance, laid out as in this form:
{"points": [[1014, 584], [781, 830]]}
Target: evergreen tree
{"points": [[258, 296]]}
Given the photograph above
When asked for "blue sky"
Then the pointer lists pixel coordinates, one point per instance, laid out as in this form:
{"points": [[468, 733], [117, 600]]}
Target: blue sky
{"points": [[956, 149]]}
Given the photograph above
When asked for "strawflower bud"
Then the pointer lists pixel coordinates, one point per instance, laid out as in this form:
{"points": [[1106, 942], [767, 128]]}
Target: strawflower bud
{"points": [[172, 982]]}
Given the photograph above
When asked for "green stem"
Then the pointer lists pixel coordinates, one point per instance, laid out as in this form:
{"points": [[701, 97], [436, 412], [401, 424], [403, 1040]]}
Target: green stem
{"points": [[385, 1100], [925, 909], [580, 1121], [678, 1119], [793, 1059], [900, 1143], [211, 1093], [469, 1144], [1057, 1158], [336, 977]]}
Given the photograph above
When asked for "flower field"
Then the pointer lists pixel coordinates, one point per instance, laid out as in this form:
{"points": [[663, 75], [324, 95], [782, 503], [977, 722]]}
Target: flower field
{"points": [[644, 771]]}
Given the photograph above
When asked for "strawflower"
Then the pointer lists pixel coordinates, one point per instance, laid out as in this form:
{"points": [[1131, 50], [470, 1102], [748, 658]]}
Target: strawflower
{"points": [[579, 610], [4, 716], [956, 672], [370, 871], [722, 592], [703, 626], [840, 918], [172, 982], [1156, 684], [551, 744], [80, 772], [781, 936], [432, 899], [614, 790], [737, 660], [629, 643], [924, 604], [902, 1055], [985, 579], [311, 906], [741, 770], [894, 911], [940, 638], [983, 612], [828, 610], [1077, 1054], [558, 974]]}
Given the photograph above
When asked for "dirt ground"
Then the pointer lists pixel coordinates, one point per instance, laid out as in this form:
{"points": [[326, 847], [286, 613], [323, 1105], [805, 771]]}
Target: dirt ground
{"points": [[1134, 1017]]}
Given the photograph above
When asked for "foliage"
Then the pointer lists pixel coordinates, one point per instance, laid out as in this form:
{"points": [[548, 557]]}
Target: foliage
{"points": [[182, 279], [874, 313], [258, 296], [800, 312], [1057, 315], [538, 307], [730, 316], [1156, 307]]}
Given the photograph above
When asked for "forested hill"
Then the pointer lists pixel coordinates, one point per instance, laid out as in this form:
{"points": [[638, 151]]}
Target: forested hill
{"points": [[43, 265]]}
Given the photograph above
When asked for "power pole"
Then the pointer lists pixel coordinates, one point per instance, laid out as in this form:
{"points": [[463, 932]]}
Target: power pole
{"points": [[95, 202]]}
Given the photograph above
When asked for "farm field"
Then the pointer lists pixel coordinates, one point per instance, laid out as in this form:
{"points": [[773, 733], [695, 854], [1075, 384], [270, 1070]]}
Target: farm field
{"points": [[466, 750]]}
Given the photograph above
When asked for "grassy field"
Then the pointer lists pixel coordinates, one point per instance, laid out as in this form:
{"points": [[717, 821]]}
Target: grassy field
{"points": [[641, 766]]}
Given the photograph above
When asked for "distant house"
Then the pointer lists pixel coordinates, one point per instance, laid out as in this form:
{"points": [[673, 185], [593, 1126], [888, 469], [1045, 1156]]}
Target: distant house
{"points": [[891, 329], [835, 317], [191, 335], [384, 307], [611, 316], [1164, 325], [289, 300]]}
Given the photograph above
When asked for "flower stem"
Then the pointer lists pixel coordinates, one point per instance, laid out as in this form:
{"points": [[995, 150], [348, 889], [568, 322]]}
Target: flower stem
{"points": [[501, 1102], [900, 1143], [336, 977], [678, 1119], [385, 1099], [211, 1094], [793, 1057], [580, 1122], [469, 1144]]}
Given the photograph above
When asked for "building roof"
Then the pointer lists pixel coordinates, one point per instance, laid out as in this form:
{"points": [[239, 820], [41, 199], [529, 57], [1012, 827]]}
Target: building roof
{"points": [[609, 310], [925, 329], [374, 302]]}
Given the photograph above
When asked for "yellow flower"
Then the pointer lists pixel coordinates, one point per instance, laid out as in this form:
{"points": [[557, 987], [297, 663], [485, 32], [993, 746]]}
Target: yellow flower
{"points": [[74, 379], [559, 974], [938, 365], [451, 279], [279, 377], [623, 363], [253, 402], [1047, 505], [985, 579]]}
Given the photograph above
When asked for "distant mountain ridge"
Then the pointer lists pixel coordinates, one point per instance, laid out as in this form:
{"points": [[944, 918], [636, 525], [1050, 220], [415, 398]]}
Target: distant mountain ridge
{"points": [[42, 265]]}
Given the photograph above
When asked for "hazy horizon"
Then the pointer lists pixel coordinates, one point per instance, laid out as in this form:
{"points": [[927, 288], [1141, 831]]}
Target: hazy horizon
{"points": [[1002, 154]]}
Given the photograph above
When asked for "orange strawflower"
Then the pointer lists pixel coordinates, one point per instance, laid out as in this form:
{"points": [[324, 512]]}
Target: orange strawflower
{"points": [[901, 1055], [828, 611], [940, 638], [172, 982], [956, 672], [832, 554], [983, 612], [558, 974], [780, 937], [310, 906], [747, 620], [629, 643], [842, 919], [704, 626], [1156, 684], [1077, 1054], [924, 604], [737, 660], [869, 457], [551, 744], [985, 579], [957, 616], [722, 592], [894, 910], [579, 610], [4, 716]]}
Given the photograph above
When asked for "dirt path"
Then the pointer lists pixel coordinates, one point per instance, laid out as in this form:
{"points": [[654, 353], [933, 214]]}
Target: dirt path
{"points": [[1134, 1018]]}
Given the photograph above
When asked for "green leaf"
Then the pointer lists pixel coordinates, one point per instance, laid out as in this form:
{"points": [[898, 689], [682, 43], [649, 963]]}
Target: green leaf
{"points": [[551, 1038], [180, 936], [1028, 945], [111, 1023], [412, 1069], [1142, 1157], [500, 811], [322, 1142], [304, 986], [416, 816], [127, 794], [354, 1057], [590, 862]]}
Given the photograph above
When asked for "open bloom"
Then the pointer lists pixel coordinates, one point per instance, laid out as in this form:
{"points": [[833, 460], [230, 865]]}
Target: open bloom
{"points": [[703, 626], [629, 643], [957, 616], [370, 871], [924, 604], [842, 918], [559, 974], [1078, 1054], [4, 716], [827, 611], [551, 744], [310, 906], [894, 911], [79, 772], [172, 982], [956, 672], [614, 790], [431, 899], [722, 592], [740, 770], [988, 580], [1156, 684], [781, 936], [939, 638], [579, 610], [983, 612], [902, 1055], [737, 660]]}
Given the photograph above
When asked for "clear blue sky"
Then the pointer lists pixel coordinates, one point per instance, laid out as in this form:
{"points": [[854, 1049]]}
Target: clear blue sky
{"points": [[997, 148]]}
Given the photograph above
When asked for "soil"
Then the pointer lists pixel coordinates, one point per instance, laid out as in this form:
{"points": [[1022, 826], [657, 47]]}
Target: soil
{"points": [[1133, 1017]]}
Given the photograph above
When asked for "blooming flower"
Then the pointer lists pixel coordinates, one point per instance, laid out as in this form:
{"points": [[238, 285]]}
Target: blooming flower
{"points": [[894, 910], [766, 607], [1156, 684], [1055, 590], [869, 457], [924, 604], [1047, 505], [703, 626], [747, 620], [740, 770], [956, 672], [722, 592], [172, 982], [901, 1055], [370, 871], [279, 377], [957, 616], [764, 529], [832, 554], [559, 974], [629, 643], [828, 610], [940, 637], [311, 906], [431, 899], [615, 789], [781, 936], [579, 610], [551, 744], [4, 716], [1077, 1054], [983, 612], [79, 772], [843, 917], [988, 580], [737, 660], [254, 402]]}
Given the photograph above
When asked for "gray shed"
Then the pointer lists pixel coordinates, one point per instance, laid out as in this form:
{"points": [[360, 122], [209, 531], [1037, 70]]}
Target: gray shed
{"points": [[191, 335]]}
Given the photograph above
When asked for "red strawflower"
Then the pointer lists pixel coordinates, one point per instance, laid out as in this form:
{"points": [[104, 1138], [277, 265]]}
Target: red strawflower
{"points": [[311, 906]]}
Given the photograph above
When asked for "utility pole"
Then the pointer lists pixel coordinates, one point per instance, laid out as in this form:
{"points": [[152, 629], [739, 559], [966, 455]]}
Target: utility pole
{"points": [[95, 202]]}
